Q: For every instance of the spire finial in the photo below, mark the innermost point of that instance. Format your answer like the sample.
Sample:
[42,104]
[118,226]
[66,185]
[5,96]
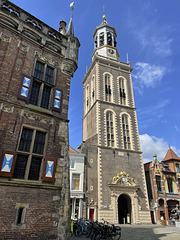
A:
[70,30]
[104,16]
[72,8]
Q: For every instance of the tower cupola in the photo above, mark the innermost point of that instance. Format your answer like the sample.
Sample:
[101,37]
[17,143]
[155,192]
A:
[105,40]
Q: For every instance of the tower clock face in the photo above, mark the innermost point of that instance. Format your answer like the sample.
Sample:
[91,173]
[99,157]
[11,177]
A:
[111,51]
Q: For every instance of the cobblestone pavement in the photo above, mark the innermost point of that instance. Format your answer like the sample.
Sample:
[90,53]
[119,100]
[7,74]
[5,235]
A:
[145,232]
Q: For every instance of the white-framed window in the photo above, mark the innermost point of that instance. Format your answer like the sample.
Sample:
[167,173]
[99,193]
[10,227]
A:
[122,91]
[110,129]
[72,164]
[87,98]
[108,87]
[93,90]
[75,181]
[126,131]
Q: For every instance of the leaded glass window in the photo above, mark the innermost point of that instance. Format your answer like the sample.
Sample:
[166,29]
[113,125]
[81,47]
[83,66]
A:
[30,154]
[42,85]
[110,129]
[126,132]
[158,182]
[122,91]
[108,88]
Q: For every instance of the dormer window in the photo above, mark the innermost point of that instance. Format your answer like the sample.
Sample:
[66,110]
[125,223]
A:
[101,39]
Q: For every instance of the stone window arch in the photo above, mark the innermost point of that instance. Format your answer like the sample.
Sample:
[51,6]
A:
[126,131]
[108,87]
[87,98]
[110,128]
[122,90]
[93,90]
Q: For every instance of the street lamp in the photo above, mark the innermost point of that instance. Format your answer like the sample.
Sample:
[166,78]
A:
[86,196]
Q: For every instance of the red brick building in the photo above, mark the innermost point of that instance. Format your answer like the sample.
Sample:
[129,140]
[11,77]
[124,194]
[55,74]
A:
[36,66]
[163,184]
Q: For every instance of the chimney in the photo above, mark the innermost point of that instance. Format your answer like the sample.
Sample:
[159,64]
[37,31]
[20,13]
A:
[62,28]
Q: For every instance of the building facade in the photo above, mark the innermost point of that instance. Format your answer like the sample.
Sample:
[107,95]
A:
[36,66]
[76,183]
[115,173]
[163,183]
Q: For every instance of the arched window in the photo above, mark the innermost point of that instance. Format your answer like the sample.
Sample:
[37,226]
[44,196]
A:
[95,42]
[110,129]
[126,132]
[108,88]
[109,38]
[101,39]
[158,182]
[170,185]
[122,91]
[92,90]
[87,98]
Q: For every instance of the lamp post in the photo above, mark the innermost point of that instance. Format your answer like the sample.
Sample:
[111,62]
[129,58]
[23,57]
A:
[156,207]
[86,196]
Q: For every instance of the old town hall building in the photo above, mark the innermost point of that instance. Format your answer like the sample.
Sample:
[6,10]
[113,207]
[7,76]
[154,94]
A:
[115,178]
[36,66]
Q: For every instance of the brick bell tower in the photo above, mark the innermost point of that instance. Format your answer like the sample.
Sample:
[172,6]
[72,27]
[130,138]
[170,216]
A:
[115,173]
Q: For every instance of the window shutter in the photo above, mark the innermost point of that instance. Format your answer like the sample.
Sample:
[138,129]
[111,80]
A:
[49,170]
[25,88]
[57,99]
[7,163]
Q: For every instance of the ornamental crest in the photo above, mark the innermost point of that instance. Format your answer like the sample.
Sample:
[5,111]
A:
[123,178]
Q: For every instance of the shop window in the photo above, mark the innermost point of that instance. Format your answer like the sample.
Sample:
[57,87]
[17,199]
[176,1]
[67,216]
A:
[30,154]
[158,182]
[75,181]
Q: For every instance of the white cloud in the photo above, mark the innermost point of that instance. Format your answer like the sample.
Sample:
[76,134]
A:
[147,75]
[176,127]
[152,36]
[151,145]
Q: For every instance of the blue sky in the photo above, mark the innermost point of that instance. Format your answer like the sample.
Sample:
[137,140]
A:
[149,31]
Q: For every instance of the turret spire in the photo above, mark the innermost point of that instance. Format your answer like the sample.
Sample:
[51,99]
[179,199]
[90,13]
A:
[70,30]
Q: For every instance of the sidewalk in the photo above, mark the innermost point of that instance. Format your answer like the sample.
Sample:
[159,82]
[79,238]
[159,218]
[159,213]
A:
[145,232]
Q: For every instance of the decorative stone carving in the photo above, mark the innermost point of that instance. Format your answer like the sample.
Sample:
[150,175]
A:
[7,108]
[23,47]
[5,38]
[45,60]
[68,68]
[123,178]
[36,117]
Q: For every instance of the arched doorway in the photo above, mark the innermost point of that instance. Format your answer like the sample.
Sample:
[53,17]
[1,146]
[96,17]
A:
[124,209]
[161,209]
